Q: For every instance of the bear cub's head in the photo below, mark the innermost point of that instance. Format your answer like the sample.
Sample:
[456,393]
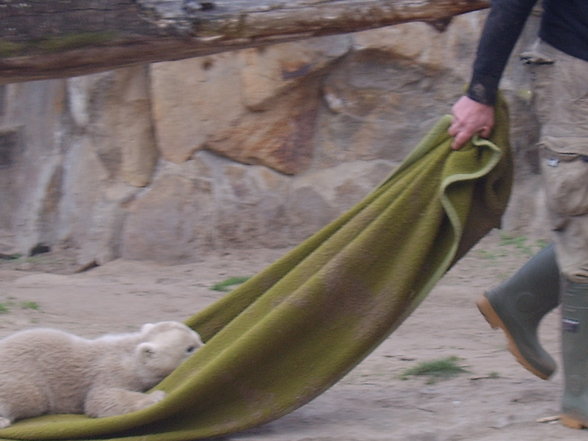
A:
[165,345]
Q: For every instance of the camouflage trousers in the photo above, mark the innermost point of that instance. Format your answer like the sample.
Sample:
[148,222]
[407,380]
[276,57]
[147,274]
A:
[561,99]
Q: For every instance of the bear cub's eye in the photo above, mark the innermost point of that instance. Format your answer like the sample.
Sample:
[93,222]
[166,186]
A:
[190,349]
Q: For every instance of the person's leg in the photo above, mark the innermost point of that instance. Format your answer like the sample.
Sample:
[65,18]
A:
[575,355]
[571,240]
[563,100]
[518,305]
[568,209]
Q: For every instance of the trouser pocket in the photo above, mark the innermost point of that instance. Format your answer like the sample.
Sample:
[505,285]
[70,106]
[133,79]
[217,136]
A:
[566,182]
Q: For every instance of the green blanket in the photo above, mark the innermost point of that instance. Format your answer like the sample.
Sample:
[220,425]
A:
[299,326]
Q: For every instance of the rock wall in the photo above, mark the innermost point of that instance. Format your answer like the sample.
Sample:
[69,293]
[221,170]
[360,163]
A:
[255,148]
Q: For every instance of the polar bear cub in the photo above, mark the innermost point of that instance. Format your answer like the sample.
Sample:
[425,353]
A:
[49,371]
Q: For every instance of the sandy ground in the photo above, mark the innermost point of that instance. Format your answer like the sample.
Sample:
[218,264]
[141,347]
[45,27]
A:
[495,399]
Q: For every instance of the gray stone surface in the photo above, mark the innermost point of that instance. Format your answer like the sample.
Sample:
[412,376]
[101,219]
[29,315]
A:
[255,148]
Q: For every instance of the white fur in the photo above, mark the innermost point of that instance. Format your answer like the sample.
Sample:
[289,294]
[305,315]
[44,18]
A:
[49,371]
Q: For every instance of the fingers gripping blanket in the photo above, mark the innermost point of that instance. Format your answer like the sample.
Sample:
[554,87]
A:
[300,325]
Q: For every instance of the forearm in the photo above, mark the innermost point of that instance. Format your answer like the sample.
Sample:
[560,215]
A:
[501,31]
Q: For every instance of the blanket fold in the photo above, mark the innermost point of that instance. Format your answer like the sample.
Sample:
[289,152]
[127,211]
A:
[297,327]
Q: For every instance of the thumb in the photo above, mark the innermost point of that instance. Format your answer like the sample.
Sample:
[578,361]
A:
[485,132]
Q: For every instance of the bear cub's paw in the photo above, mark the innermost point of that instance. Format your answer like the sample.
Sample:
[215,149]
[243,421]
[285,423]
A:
[152,398]
[139,402]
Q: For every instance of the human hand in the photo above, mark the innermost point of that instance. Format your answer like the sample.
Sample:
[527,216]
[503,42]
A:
[470,118]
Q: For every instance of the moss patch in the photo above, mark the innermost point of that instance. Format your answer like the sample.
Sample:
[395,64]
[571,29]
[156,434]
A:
[10,48]
[56,44]
[75,41]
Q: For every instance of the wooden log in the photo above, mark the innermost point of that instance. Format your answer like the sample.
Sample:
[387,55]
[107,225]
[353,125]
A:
[42,39]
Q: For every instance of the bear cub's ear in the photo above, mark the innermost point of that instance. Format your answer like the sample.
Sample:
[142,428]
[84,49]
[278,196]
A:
[146,327]
[147,350]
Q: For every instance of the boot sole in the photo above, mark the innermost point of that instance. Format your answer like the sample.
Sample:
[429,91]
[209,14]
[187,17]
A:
[571,422]
[496,323]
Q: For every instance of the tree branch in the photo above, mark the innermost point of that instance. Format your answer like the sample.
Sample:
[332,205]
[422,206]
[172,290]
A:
[42,39]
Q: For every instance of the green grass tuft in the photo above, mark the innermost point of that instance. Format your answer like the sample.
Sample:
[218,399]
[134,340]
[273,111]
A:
[435,370]
[227,283]
[30,305]
[518,242]
[14,256]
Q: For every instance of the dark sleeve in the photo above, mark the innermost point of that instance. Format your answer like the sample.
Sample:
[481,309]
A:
[501,31]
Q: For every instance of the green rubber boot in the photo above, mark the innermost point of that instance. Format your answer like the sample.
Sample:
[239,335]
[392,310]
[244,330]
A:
[518,305]
[575,355]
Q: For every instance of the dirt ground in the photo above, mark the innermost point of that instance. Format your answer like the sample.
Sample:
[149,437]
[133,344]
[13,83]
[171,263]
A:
[495,399]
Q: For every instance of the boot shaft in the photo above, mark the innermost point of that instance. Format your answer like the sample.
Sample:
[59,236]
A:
[575,353]
[533,290]
[574,327]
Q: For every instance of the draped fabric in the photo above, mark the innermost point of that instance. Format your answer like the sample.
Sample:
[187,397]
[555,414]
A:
[297,327]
